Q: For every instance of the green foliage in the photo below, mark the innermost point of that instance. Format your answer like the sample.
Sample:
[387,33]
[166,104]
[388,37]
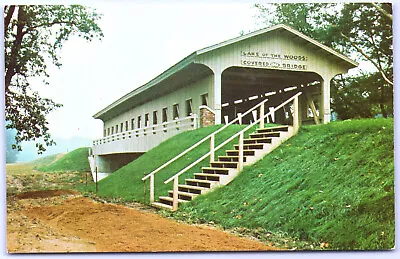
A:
[363,29]
[33,34]
[76,160]
[312,19]
[330,184]
[359,97]
[366,31]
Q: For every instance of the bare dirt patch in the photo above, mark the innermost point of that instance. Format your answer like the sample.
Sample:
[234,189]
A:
[115,228]
[48,221]
[44,194]
[27,235]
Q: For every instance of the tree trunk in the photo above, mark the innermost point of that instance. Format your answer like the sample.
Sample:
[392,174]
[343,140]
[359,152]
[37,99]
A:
[12,65]
[7,19]
[381,105]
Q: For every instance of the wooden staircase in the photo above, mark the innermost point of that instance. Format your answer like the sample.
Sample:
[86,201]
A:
[226,168]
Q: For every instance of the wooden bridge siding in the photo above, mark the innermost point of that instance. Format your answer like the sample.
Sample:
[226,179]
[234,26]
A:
[318,61]
[193,91]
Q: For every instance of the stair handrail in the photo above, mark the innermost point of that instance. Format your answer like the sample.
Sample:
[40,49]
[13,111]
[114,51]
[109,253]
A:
[231,138]
[204,139]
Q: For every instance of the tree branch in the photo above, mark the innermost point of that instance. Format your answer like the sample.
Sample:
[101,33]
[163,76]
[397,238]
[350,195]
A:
[49,24]
[383,11]
[368,58]
[374,45]
[7,19]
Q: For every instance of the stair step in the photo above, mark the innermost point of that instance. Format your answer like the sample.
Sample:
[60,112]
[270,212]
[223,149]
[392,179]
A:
[192,188]
[224,164]
[210,177]
[161,205]
[265,135]
[183,195]
[230,158]
[257,141]
[200,183]
[274,129]
[245,152]
[170,200]
[215,170]
[250,146]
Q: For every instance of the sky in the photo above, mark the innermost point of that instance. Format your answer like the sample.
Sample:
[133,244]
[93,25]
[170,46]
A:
[142,39]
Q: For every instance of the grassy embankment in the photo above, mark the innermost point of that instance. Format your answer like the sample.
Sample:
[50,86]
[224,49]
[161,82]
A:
[76,160]
[331,185]
[126,183]
[60,171]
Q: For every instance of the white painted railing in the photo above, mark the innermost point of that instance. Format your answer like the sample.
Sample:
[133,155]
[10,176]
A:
[241,137]
[178,124]
[210,137]
[213,149]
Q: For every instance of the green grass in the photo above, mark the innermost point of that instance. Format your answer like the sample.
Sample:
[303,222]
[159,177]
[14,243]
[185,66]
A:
[76,160]
[126,183]
[331,184]
[43,161]
[23,177]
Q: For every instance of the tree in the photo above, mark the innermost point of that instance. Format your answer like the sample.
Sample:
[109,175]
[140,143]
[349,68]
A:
[366,30]
[312,19]
[363,29]
[33,36]
[358,96]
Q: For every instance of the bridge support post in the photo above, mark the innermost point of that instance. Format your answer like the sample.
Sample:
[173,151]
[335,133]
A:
[325,105]
[217,97]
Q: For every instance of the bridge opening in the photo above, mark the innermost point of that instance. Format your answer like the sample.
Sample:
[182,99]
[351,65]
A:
[243,88]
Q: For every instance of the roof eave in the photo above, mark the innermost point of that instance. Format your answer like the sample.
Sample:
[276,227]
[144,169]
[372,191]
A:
[161,77]
[189,59]
[322,46]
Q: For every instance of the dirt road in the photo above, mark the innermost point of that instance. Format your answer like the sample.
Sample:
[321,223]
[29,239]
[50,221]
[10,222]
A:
[64,221]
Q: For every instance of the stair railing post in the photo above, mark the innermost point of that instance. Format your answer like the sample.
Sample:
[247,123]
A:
[144,189]
[262,116]
[272,112]
[97,181]
[296,114]
[175,195]
[240,162]
[212,147]
[239,115]
[151,188]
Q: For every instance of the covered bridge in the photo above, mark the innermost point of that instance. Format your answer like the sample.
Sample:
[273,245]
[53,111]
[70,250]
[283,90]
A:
[214,84]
